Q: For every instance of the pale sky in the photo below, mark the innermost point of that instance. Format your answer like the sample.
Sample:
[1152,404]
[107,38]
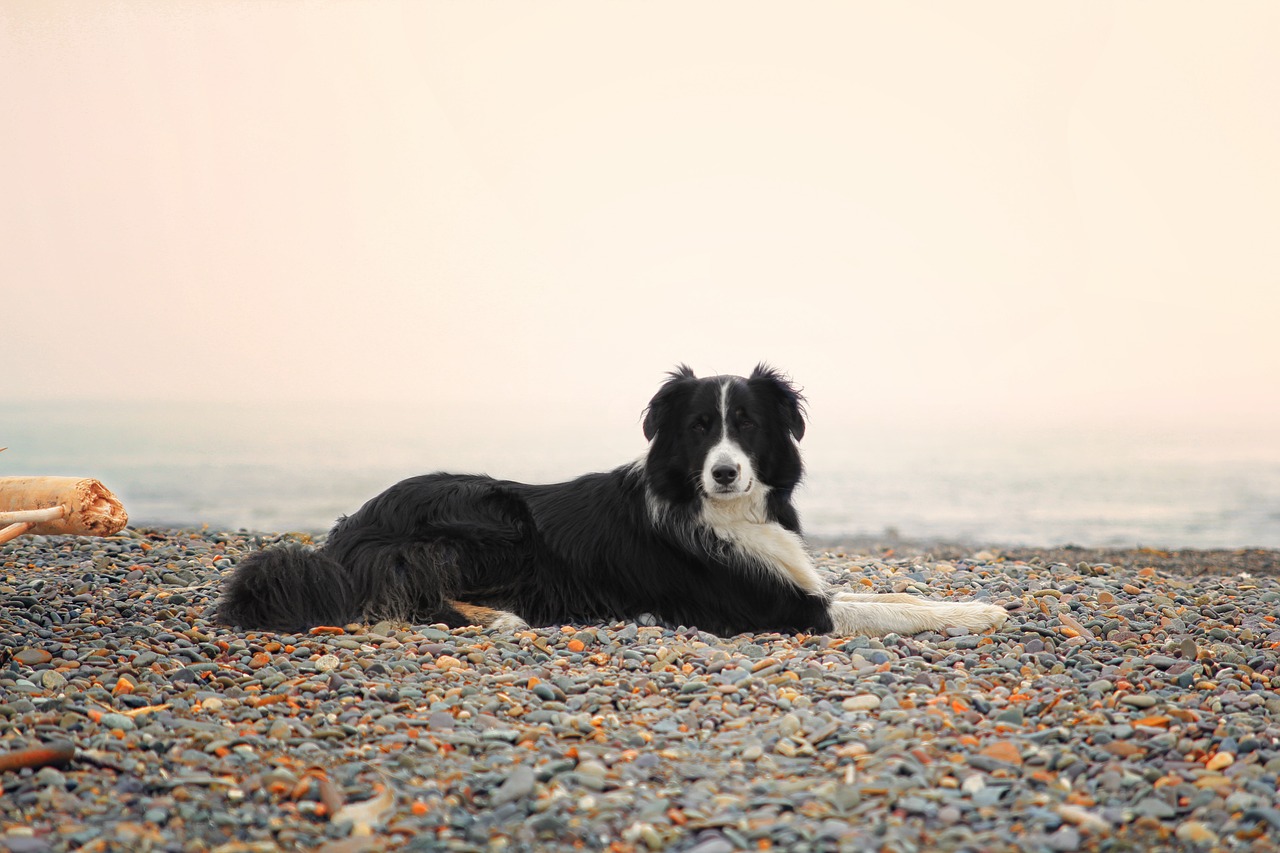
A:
[1019,210]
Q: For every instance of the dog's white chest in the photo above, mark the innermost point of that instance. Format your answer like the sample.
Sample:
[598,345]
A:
[743,523]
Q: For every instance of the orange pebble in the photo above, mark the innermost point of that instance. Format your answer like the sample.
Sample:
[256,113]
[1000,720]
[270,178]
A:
[1003,750]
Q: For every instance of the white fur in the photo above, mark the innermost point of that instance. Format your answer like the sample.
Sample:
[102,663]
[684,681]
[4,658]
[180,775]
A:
[879,614]
[508,623]
[742,522]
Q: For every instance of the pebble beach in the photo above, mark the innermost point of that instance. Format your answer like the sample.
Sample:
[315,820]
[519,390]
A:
[1131,702]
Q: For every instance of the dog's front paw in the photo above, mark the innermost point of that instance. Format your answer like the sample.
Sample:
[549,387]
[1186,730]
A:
[980,617]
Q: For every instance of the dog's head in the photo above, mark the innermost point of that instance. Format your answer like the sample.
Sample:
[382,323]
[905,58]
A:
[723,436]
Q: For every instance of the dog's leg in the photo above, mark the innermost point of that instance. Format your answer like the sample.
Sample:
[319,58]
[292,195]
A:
[877,615]
[488,617]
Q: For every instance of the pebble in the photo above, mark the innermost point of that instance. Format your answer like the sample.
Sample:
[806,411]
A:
[863,702]
[1195,832]
[1121,706]
[1066,838]
[518,785]
[52,680]
[713,845]
[32,657]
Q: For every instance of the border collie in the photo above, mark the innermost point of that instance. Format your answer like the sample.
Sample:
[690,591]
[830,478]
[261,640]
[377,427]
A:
[700,532]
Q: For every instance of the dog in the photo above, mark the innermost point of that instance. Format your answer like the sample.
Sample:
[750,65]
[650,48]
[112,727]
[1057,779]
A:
[700,531]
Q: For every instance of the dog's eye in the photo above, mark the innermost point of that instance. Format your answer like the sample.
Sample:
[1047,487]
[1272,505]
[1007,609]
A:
[744,422]
[699,426]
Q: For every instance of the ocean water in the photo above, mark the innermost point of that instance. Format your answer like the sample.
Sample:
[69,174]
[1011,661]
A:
[277,468]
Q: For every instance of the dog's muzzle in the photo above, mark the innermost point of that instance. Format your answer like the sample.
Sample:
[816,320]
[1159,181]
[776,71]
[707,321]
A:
[727,477]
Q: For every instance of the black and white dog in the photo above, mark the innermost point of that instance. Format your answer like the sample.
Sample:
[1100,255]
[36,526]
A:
[700,531]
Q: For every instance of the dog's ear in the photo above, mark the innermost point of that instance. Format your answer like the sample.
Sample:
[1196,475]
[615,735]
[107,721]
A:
[786,395]
[660,405]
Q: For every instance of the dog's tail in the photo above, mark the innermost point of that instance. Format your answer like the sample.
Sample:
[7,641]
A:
[289,588]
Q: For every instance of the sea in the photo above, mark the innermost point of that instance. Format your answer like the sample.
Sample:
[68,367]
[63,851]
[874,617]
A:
[298,467]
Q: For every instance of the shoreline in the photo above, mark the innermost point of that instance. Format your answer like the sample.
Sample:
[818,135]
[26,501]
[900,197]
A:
[1132,699]
[1249,559]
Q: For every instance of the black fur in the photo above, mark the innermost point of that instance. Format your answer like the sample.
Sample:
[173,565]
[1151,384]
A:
[601,548]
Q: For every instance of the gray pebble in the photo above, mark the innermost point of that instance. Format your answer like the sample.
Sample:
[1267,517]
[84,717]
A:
[518,785]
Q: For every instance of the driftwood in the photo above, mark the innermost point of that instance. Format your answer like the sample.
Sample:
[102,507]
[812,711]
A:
[56,505]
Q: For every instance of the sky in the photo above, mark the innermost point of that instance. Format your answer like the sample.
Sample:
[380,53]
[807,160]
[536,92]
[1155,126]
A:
[1022,211]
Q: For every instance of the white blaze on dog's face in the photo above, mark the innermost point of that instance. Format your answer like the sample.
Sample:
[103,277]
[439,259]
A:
[727,471]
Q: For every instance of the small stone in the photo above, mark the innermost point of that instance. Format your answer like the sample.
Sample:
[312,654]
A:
[518,785]
[1123,748]
[863,702]
[1013,716]
[1195,832]
[327,663]
[1155,807]
[13,843]
[916,806]
[712,845]
[33,657]
[592,768]
[117,721]
[988,796]
[53,680]
[1080,816]
[1003,750]
[1066,839]
[1220,761]
[1139,700]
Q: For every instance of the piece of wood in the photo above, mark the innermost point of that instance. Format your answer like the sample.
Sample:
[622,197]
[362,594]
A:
[37,756]
[90,509]
[13,531]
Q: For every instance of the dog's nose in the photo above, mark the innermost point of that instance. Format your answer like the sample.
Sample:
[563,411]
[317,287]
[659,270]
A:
[724,474]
